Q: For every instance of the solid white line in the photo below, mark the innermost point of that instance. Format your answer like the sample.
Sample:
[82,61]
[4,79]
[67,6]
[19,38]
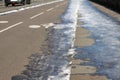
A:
[10,27]
[50,9]
[36,15]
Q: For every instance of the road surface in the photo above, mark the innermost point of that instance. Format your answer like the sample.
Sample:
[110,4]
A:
[93,41]
[18,40]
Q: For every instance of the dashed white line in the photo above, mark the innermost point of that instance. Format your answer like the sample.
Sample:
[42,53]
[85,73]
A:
[34,26]
[50,9]
[3,21]
[10,27]
[36,15]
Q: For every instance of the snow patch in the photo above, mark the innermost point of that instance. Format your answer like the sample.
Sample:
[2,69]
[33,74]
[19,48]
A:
[63,36]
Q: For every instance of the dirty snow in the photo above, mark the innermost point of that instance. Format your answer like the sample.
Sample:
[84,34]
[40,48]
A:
[62,41]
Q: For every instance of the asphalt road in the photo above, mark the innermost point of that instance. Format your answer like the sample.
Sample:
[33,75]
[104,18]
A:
[18,41]
[18,6]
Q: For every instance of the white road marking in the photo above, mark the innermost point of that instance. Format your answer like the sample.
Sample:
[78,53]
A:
[3,21]
[10,27]
[34,26]
[48,25]
[50,9]
[36,15]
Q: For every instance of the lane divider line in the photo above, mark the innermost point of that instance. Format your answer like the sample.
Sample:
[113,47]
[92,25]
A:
[36,15]
[11,27]
[3,22]
[50,9]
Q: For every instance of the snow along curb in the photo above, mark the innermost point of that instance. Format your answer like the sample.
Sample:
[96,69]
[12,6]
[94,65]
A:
[64,36]
[54,63]
[30,7]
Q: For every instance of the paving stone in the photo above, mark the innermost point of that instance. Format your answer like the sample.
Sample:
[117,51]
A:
[87,77]
[77,61]
[77,69]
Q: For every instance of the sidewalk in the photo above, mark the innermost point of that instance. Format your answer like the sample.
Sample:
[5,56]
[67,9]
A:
[78,71]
